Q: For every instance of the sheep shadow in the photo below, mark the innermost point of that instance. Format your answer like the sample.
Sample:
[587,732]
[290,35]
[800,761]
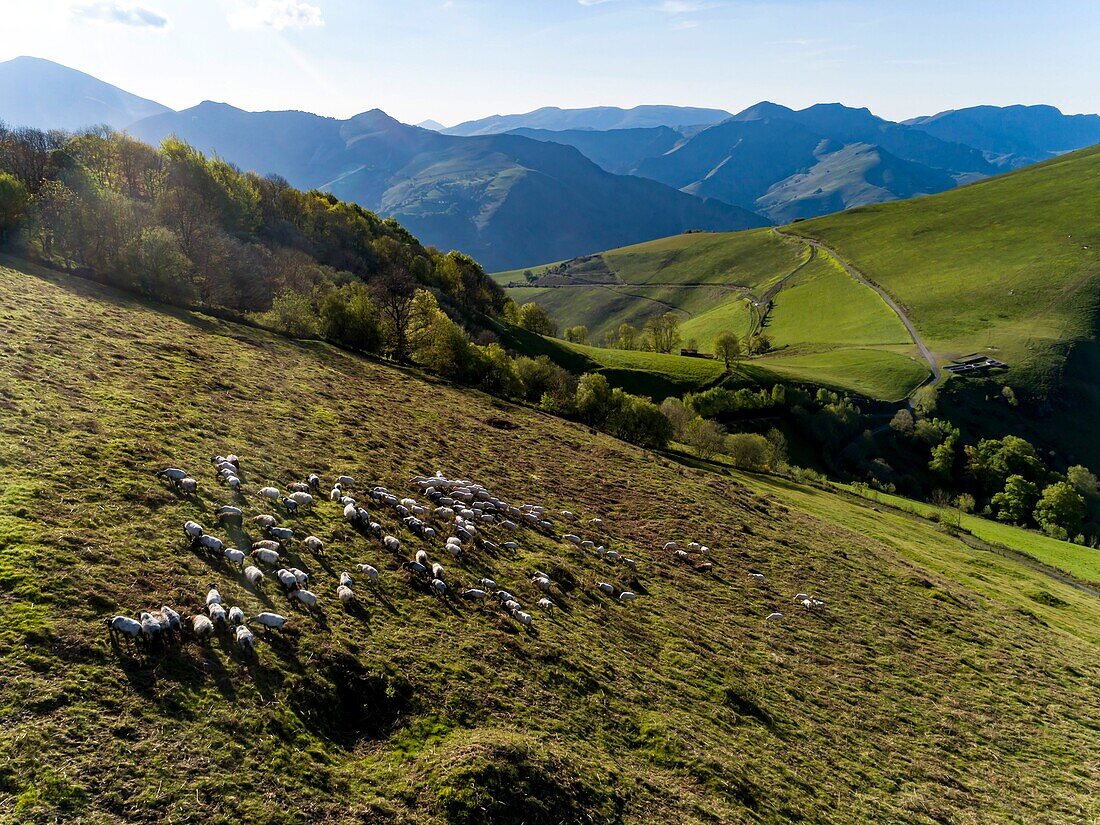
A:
[384,600]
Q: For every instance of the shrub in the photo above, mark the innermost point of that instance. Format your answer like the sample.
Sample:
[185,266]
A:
[749,451]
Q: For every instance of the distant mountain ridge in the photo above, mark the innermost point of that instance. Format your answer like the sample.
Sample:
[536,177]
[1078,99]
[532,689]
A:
[600,118]
[1013,136]
[489,196]
[46,95]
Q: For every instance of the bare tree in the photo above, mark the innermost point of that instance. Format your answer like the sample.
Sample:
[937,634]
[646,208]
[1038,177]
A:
[393,293]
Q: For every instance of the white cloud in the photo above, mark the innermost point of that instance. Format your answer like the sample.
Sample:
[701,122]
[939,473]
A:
[110,12]
[593,2]
[683,6]
[277,14]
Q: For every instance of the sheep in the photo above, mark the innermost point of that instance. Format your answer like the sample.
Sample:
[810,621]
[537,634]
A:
[289,505]
[800,597]
[173,474]
[771,617]
[474,593]
[217,614]
[572,538]
[270,492]
[193,530]
[213,596]
[588,544]
[345,579]
[346,481]
[301,576]
[611,556]
[234,556]
[488,584]
[270,621]
[439,586]
[345,594]
[188,485]
[254,575]
[298,487]
[233,483]
[504,596]
[596,522]
[391,544]
[421,557]
[757,577]
[541,582]
[313,543]
[671,545]
[509,525]
[266,556]
[437,571]
[211,543]
[567,514]
[694,546]
[281,533]
[371,572]
[124,626]
[627,596]
[236,616]
[264,522]
[547,605]
[314,481]
[306,597]
[336,493]
[346,500]
[351,512]
[429,532]
[232,459]
[682,555]
[202,627]
[301,499]
[705,567]
[633,565]
[511,545]
[454,549]
[414,567]
[245,640]
[521,617]
[607,588]
[174,622]
[234,515]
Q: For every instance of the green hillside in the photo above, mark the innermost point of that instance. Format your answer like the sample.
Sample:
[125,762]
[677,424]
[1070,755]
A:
[939,682]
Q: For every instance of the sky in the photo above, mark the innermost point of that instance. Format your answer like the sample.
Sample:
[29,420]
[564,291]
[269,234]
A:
[454,60]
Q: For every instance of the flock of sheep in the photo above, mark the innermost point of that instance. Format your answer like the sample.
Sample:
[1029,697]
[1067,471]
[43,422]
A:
[462,510]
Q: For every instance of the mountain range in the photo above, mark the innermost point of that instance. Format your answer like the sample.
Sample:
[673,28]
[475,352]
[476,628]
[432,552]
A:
[607,176]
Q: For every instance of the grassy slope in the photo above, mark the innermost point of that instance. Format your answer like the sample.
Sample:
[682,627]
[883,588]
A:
[1078,561]
[1008,266]
[934,687]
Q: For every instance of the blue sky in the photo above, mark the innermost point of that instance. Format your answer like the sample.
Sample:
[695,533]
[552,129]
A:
[458,59]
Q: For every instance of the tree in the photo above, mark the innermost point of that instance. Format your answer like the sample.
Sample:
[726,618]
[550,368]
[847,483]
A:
[628,337]
[662,332]
[1016,501]
[14,200]
[577,334]
[749,451]
[393,293]
[705,436]
[727,346]
[942,465]
[1060,510]
[759,344]
[992,461]
[678,416]
[593,398]
[1083,480]
[902,422]
[534,318]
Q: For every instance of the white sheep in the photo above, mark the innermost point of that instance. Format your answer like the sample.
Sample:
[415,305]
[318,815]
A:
[125,626]
[504,596]
[314,481]
[437,571]
[216,612]
[672,545]
[193,530]
[547,605]
[371,572]
[336,493]
[391,544]
[188,485]
[439,586]
[245,640]
[298,487]
[232,514]
[346,481]
[351,512]
[302,499]
[627,596]
[541,582]
[633,565]
[281,533]
[522,618]
[572,538]
[511,545]
[422,557]
[454,549]
[757,577]
[234,556]
[270,492]
[173,474]
[265,522]
[202,627]
[266,556]
[213,596]
[211,543]
[174,622]
[270,621]
[771,617]
[607,588]
[307,598]
[287,579]
[236,616]
[301,576]
[314,544]
[254,575]
[345,579]
[488,584]
[511,605]
[474,593]
[345,594]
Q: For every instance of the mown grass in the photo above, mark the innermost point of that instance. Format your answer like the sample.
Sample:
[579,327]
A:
[1080,562]
[934,687]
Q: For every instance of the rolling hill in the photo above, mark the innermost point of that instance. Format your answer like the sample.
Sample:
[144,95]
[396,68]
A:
[1007,267]
[46,95]
[943,679]
[619,151]
[1013,136]
[486,196]
[600,118]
